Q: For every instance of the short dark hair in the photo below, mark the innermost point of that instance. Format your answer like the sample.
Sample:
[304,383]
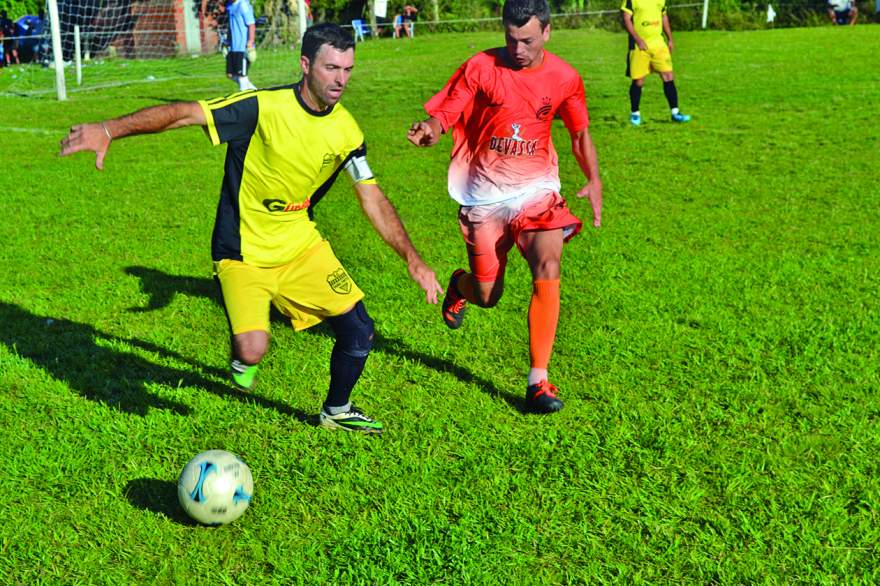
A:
[322,34]
[519,12]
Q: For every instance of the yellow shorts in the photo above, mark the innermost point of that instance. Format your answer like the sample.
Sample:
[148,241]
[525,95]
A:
[308,289]
[642,63]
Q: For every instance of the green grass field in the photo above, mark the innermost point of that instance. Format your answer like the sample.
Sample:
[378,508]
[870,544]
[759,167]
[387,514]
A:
[717,351]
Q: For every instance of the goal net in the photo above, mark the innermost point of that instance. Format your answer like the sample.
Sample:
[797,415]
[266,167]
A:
[105,43]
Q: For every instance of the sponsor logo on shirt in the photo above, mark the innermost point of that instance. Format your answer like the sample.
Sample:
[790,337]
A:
[514,144]
[329,159]
[339,281]
[279,205]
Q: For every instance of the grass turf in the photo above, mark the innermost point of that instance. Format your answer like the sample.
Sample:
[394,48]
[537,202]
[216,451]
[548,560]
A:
[717,350]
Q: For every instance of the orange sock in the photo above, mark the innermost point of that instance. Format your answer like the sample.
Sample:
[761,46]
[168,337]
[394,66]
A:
[543,317]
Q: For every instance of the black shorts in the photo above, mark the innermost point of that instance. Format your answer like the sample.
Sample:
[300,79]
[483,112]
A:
[237,63]
[842,16]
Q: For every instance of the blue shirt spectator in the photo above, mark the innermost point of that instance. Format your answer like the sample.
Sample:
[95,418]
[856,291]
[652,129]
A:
[241,16]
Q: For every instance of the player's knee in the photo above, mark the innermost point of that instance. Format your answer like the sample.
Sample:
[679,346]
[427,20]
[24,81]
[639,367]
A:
[250,347]
[354,331]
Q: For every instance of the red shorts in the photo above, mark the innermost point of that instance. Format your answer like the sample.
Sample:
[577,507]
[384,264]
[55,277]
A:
[490,231]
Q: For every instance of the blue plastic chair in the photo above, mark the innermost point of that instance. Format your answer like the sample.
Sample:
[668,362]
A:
[361,29]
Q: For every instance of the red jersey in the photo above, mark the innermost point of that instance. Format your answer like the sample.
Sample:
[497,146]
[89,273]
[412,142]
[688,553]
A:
[501,121]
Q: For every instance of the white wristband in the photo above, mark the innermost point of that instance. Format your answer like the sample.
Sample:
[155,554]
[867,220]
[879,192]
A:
[107,132]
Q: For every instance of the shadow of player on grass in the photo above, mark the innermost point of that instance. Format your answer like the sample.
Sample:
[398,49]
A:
[106,369]
[161,289]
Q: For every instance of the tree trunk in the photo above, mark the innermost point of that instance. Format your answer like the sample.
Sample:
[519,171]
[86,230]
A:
[372,8]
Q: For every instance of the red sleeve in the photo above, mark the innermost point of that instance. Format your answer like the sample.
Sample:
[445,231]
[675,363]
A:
[573,109]
[456,98]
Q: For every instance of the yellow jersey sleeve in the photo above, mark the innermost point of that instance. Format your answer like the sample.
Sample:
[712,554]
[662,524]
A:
[231,118]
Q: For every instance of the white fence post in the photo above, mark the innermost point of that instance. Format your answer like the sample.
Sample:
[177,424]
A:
[705,12]
[60,88]
[77,51]
[303,17]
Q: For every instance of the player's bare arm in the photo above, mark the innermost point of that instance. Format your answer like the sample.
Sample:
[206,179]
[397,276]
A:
[668,30]
[425,133]
[628,25]
[585,152]
[385,220]
[97,136]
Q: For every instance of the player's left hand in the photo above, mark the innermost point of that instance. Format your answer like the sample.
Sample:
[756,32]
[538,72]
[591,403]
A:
[593,191]
[424,276]
[252,54]
[87,137]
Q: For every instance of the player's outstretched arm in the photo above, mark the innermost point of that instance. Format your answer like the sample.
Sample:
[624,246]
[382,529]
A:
[425,133]
[96,137]
[385,220]
[585,152]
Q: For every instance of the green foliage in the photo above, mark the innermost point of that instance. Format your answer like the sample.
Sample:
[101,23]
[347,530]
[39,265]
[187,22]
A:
[18,8]
[718,347]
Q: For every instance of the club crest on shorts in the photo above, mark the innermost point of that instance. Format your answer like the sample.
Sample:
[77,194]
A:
[339,281]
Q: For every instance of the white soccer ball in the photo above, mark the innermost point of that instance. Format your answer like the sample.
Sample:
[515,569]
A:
[215,487]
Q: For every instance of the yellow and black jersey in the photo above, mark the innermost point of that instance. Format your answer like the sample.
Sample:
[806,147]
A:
[281,158]
[647,17]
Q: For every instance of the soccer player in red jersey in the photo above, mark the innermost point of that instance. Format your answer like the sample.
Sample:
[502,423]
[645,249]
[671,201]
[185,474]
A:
[504,172]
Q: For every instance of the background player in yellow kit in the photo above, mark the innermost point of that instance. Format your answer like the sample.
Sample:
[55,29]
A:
[646,22]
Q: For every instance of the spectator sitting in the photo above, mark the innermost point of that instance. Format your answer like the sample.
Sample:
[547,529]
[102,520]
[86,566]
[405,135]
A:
[409,15]
[842,12]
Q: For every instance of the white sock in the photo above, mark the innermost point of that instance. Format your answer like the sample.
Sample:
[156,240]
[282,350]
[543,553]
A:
[337,410]
[536,375]
[245,84]
[637,113]
[674,111]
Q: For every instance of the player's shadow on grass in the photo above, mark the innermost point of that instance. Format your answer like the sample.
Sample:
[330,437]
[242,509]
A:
[106,369]
[161,289]
[157,496]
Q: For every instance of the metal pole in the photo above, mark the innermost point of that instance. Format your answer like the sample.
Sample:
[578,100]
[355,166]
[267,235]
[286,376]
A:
[705,12]
[60,88]
[77,46]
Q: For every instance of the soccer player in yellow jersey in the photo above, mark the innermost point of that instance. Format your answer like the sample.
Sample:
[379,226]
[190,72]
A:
[646,22]
[285,147]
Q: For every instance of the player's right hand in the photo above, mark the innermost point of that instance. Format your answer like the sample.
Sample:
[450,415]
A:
[87,137]
[251,54]
[642,44]
[421,134]
[593,192]
[427,280]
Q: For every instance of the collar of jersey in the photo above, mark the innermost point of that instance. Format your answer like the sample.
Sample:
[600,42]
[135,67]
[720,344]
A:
[297,91]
